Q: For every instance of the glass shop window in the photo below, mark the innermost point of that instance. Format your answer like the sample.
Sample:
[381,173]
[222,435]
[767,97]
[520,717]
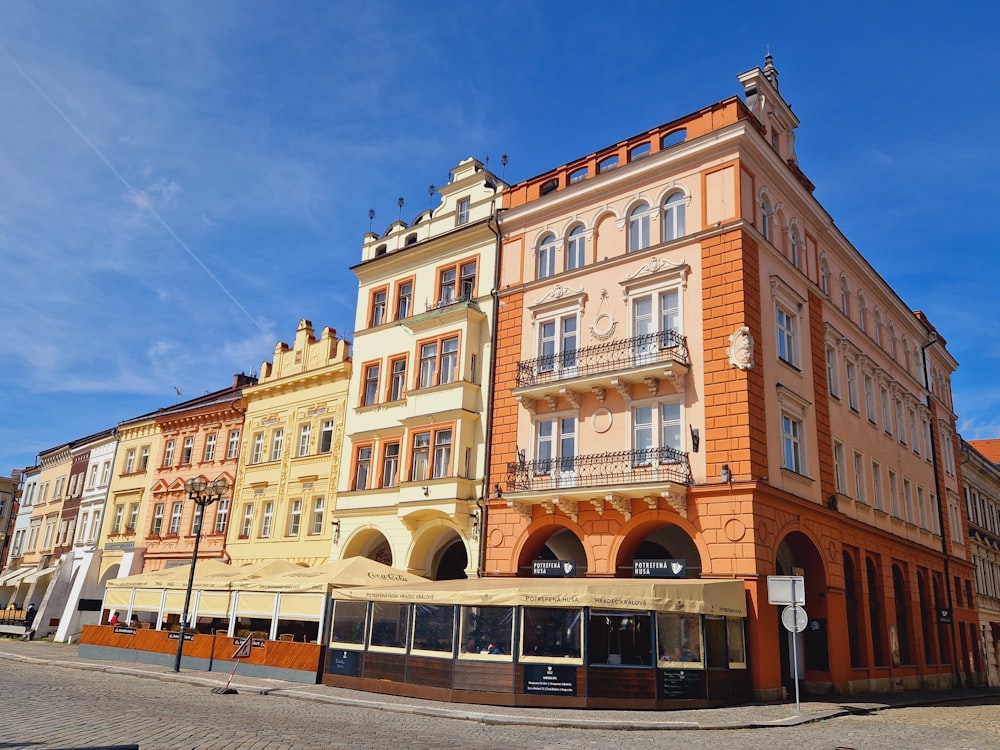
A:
[487,633]
[620,638]
[735,643]
[715,642]
[548,634]
[389,626]
[433,629]
[349,623]
[678,638]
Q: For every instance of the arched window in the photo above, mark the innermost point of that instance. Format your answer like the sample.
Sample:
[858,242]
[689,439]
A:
[795,251]
[851,603]
[824,276]
[638,228]
[845,296]
[875,612]
[547,256]
[576,248]
[878,327]
[673,216]
[906,356]
[765,217]
[862,312]
[893,343]
[902,615]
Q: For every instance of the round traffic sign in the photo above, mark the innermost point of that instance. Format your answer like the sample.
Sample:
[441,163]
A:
[794,618]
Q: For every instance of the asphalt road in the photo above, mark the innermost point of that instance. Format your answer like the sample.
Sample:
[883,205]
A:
[45,706]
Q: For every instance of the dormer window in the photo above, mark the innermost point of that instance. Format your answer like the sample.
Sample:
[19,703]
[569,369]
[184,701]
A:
[462,216]
[411,239]
[549,186]
[381,250]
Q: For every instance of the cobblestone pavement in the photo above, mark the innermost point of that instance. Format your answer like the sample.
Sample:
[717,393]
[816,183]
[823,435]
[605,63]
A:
[45,704]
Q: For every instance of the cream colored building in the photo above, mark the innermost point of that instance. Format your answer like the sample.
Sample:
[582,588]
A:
[286,482]
[415,452]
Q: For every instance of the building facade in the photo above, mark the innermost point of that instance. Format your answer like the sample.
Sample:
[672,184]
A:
[416,429]
[10,491]
[695,366]
[981,477]
[286,485]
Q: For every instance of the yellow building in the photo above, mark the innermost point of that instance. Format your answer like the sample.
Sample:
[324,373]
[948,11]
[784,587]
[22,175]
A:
[290,458]
[415,449]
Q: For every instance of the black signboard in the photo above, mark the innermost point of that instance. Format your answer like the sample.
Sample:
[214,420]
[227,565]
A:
[89,605]
[175,636]
[553,568]
[682,683]
[944,615]
[547,679]
[343,662]
[122,630]
[659,568]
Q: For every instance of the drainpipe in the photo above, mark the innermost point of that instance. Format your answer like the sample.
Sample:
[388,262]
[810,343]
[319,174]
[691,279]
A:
[931,340]
[494,226]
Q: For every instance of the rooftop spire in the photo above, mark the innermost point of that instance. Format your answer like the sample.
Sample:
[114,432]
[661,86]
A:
[770,72]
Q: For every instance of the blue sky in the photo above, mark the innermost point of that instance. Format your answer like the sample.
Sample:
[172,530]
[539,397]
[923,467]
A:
[182,182]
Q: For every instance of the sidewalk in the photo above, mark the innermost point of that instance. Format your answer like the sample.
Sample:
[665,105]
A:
[749,716]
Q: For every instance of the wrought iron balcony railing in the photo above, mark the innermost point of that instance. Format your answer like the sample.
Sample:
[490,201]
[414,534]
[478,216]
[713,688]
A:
[648,349]
[600,470]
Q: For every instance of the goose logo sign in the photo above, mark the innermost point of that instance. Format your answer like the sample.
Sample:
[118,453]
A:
[553,568]
[659,568]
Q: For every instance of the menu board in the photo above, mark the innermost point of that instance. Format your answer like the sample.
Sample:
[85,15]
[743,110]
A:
[682,683]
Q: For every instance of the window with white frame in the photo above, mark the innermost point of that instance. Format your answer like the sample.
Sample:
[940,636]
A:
[404,300]
[277,443]
[877,498]
[838,467]
[796,247]
[294,517]
[638,228]
[900,421]
[862,312]
[247,524]
[791,443]
[157,525]
[908,500]
[462,213]
[869,397]
[397,378]
[442,454]
[221,516]
[832,371]
[316,527]
[673,216]
[362,467]
[557,344]
[379,304]
[914,432]
[129,461]
[305,431]
[133,517]
[186,451]
[547,256]
[656,433]
[370,393]
[233,447]
[824,276]
[420,456]
[144,458]
[92,480]
[852,384]
[448,371]
[922,506]
[105,473]
[845,296]
[266,519]
[168,453]
[787,330]
[175,517]
[655,317]
[883,393]
[209,454]
[467,280]
[947,452]
[859,476]
[555,446]
[893,494]
[116,522]
[258,448]
[576,248]
[390,464]
[326,437]
[766,215]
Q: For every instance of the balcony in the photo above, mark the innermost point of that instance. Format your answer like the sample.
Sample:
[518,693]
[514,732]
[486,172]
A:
[444,312]
[619,364]
[600,478]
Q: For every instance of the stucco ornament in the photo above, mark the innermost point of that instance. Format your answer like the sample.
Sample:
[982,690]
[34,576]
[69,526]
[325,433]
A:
[740,349]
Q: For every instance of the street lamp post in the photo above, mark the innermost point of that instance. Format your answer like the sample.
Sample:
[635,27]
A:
[204,494]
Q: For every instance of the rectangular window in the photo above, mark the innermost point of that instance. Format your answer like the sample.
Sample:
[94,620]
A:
[95,527]
[304,432]
[908,500]
[258,448]
[893,494]
[370,394]
[787,330]
[175,517]
[210,441]
[576,249]
[233,447]
[116,524]
[859,476]
[247,523]
[129,466]
[656,433]
[462,214]
[832,367]
[404,300]
[326,437]
[397,382]
[168,453]
[379,302]
[446,286]
[390,464]
[294,518]
[900,422]
[186,451]
[791,443]
[467,281]
[221,516]
[158,511]
[317,516]
[914,432]
[91,482]
[277,442]
[922,506]
[57,493]
[838,467]
[852,385]
[555,447]
[428,362]
[420,456]
[442,454]
[362,467]
[870,398]
[266,519]
[449,360]
[557,345]
[886,414]
[133,517]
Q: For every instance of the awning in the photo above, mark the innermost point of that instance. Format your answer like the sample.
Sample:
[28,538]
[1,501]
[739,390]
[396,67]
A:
[15,578]
[38,573]
[696,595]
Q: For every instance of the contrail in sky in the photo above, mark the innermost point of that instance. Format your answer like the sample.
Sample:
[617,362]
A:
[146,204]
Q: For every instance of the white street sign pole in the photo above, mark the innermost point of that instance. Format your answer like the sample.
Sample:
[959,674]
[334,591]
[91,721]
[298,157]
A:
[795,657]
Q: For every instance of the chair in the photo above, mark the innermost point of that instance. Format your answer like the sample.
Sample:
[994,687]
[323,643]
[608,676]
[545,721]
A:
[286,637]
[146,625]
[222,632]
